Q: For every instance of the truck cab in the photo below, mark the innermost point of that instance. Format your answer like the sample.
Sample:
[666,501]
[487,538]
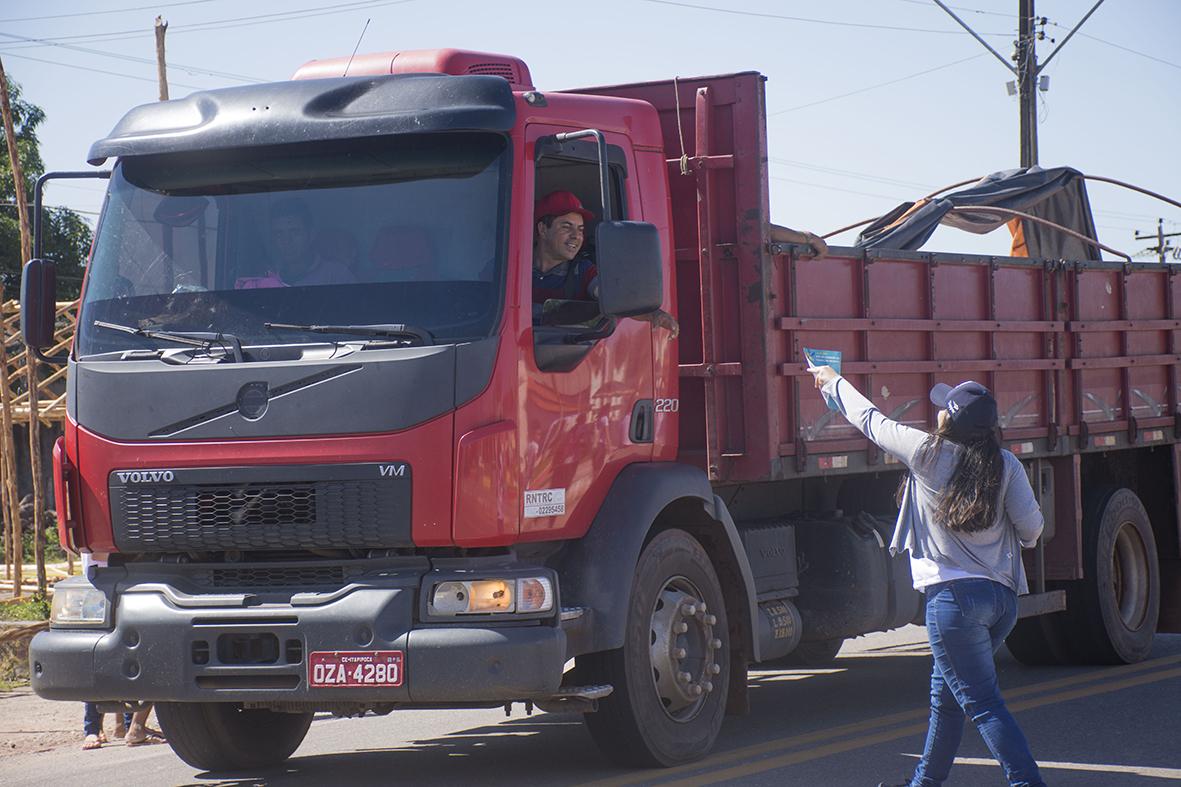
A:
[319,448]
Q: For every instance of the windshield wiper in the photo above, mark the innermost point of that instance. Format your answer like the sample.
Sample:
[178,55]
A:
[391,330]
[206,340]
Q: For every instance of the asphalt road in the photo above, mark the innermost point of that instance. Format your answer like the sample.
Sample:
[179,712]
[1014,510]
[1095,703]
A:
[860,721]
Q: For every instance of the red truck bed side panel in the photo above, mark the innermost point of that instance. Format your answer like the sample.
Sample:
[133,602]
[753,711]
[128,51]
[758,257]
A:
[1081,356]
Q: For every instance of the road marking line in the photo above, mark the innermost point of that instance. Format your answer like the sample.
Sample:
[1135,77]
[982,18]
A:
[1098,676]
[1137,770]
[778,744]
[773,763]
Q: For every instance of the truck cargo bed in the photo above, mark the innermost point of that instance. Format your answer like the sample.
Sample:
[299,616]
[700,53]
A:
[1081,355]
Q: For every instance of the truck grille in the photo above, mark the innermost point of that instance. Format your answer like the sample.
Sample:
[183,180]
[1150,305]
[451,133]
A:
[266,576]
[189,513]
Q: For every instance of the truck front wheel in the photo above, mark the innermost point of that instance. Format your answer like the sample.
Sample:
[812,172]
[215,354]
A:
[671,677]
[221,736]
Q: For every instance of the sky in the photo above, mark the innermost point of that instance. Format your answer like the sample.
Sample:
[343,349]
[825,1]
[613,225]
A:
[870,102]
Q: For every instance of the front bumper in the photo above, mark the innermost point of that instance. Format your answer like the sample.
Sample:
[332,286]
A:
[164,648]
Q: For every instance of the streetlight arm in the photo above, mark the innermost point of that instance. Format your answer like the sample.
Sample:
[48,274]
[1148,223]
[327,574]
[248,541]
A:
[986,45]
[1068,35]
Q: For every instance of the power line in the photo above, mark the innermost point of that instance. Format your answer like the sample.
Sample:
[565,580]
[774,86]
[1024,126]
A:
[875,87]
[1122,216]
[848,173]
[97,70]
[927,4]
[832,22]
[110,11]
[55,207]
[92,189]
[223,24]
[837,188]
[1124,48]
[194,70]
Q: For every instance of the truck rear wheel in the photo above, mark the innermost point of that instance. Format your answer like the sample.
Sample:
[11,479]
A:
[1111,614]
[221,736]
[671,677]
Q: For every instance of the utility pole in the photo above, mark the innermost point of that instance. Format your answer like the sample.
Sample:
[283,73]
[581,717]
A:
[11,492]
[1162,248]
[1027,69]
[1027,72]
[161,68]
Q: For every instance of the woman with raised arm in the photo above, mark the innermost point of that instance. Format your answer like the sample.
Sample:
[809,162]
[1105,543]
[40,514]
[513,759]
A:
[966,508]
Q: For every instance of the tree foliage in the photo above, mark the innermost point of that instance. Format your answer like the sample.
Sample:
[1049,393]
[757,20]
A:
[65,235]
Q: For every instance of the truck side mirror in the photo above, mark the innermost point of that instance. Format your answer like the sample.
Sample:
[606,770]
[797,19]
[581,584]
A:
[38,303]
[631,271]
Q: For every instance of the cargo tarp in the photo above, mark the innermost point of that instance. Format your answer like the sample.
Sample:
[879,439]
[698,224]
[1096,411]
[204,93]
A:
[1058,195]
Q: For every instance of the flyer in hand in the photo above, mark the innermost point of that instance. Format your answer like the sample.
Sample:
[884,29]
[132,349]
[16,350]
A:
[825,358]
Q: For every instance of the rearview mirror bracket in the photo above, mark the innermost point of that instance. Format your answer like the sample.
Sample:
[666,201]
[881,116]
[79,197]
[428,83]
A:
[39,277]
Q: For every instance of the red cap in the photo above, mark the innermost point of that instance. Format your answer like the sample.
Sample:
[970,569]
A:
[559,203]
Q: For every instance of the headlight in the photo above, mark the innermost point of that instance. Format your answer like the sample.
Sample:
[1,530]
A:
[78,605]
[527,595]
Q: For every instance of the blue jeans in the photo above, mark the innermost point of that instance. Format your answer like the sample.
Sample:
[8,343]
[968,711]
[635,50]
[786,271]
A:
[92,720]
[967,619]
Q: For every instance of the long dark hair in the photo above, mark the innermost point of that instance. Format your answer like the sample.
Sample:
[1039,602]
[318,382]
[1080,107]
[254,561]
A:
[969,503]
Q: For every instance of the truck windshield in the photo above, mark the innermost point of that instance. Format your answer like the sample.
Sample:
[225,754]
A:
[403,230]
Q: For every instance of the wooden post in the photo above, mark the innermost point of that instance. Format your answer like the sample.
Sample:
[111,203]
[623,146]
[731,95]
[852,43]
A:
[22,206]
[8,458]
[161,69]
[5,519]
[35,471]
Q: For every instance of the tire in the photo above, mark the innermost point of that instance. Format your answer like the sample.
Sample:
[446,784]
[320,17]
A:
[819,653]
[1111,614]
[671,677]
[220,736]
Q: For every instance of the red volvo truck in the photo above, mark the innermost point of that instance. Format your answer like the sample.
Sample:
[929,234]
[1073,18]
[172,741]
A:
[385,486]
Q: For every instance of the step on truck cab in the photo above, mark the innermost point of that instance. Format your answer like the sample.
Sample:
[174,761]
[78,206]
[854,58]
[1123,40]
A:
[325,453]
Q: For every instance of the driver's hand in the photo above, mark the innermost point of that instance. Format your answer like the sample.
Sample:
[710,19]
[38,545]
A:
[817,243]
[662,319]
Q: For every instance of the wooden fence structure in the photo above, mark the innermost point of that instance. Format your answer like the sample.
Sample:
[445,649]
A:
[32,406]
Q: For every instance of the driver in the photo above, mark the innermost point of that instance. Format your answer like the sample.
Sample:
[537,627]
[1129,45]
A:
[298,259]
[558,270]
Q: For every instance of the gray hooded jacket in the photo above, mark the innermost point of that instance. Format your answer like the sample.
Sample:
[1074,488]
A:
[994,552]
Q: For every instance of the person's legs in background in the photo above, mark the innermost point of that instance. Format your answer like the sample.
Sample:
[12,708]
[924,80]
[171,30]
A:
[122,722]
[92,727]
[138,731]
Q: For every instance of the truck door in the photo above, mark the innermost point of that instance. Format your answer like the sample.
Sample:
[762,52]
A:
[586,402]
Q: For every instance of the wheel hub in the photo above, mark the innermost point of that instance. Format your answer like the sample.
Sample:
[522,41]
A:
[683,648]
[1129,572]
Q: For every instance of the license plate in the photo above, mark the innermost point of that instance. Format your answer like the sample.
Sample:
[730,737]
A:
[346,668]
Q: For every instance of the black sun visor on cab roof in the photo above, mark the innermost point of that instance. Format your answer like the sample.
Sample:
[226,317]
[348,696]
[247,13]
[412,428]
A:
[307,110]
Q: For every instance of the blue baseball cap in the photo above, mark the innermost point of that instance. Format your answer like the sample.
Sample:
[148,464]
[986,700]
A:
[971,406]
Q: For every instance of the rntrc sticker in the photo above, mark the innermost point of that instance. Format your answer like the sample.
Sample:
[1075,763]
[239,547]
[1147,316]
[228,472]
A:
[545,502]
